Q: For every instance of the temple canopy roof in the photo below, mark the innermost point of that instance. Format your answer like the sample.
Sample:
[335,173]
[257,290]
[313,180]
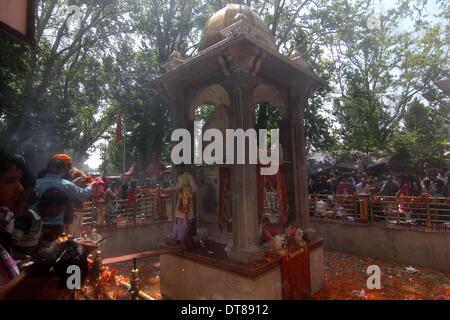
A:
[236,40]
[229,15]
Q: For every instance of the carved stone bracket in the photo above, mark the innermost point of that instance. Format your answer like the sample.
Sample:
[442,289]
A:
[247,61]
[175,59]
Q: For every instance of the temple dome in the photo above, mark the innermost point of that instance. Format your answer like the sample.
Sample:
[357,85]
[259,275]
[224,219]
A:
[228,15]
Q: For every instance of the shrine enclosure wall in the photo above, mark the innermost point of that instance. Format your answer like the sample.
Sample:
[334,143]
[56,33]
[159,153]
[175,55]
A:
[399,244]
[124,241]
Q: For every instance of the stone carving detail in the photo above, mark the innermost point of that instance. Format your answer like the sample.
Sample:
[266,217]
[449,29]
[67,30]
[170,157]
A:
[234,62]
[175,59]
[238,28]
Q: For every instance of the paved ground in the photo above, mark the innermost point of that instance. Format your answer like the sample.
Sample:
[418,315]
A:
[345,279]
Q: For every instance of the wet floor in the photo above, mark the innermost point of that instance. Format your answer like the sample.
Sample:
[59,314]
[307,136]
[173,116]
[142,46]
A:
[345,279]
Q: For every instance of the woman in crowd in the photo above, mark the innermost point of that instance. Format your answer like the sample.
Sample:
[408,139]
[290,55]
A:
[16,192]
[27,234]
[10,190]
[99,202]
[45,275]
[111,197]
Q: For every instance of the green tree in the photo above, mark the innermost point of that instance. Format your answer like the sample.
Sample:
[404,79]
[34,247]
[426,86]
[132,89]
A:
[380,70]
[13,68]
[62,105]
[165,26]
[421,141]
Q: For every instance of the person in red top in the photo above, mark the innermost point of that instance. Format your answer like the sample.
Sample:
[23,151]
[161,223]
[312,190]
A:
[133,194]
[98,190]
[99,202]
[343,189]
[345,186]
[403,198]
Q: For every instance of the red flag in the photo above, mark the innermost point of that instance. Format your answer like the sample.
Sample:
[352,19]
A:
[119,129]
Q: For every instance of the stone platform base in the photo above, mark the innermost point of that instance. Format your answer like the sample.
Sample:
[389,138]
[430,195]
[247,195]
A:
[316,266]
[184,278]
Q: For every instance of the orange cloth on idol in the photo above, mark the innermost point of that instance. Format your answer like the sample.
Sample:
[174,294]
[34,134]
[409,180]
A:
[66,158]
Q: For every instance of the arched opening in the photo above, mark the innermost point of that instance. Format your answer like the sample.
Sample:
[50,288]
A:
[213,95]
[209,110]
[270,109]
[275,192]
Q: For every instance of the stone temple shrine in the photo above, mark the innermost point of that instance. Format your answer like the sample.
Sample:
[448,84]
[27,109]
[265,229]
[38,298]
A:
[237,67]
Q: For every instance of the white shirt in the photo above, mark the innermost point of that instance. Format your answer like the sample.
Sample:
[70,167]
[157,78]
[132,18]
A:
[362,190]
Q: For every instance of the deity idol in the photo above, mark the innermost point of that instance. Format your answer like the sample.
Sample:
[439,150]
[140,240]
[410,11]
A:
[184,214]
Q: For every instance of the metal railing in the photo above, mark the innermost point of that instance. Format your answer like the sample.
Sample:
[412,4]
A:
[413,211]
[104,283]
[150,208]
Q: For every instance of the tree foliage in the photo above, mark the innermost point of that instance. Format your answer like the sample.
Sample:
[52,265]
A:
[422,140]
[380,70]
[64,93]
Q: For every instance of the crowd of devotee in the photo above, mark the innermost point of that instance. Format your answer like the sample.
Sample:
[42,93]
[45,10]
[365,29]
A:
[413,199]
[435,183]
[37,217]
[35,213]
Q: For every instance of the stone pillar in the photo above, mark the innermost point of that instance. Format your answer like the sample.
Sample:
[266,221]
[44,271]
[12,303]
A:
[246,229]
[299,165]
[178,112]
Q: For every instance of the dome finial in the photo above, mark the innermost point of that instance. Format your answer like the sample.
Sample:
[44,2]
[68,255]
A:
[240,15]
